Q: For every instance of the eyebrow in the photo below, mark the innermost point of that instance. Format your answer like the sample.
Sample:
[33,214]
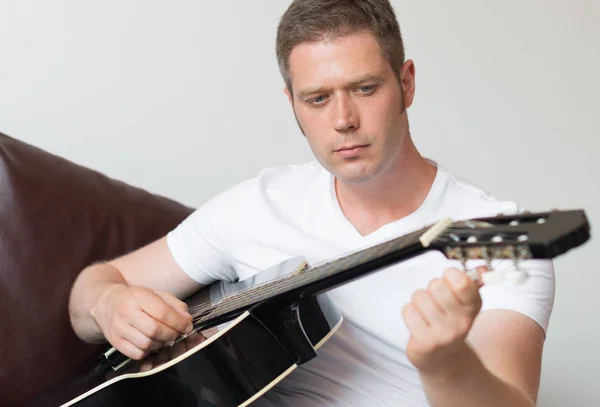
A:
[320,89]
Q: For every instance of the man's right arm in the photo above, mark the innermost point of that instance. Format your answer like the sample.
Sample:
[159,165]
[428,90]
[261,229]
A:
[133,301]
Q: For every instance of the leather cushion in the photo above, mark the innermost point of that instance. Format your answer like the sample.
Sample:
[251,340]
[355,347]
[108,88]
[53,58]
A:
[57,217]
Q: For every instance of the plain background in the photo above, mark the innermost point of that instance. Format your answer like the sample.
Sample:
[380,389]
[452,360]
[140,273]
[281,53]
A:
[184,98]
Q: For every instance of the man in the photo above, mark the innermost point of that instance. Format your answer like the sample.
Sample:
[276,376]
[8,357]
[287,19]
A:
[417,333]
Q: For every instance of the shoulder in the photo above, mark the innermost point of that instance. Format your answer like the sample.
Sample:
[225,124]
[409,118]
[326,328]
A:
[276,180]
[289,177]
[464,199]
[273,186]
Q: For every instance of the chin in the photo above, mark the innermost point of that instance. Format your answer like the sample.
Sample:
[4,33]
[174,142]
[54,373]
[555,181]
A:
[355,174]
[351,171]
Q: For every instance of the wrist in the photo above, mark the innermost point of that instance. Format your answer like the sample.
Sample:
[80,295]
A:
[454,366]
[104,291]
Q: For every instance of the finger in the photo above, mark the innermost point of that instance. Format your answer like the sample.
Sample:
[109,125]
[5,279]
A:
[175,302]
[443,294]
[426,305]
[162,312]
[480,271]
[152,328]
[465,289]
[163,356]
[194,340]
[129,350]
[147,363]
[139,339]
[415,323]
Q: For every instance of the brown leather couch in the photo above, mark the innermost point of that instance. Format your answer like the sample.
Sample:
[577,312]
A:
[57,217]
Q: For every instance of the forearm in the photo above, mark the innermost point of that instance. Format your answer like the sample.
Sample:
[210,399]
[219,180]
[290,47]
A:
[91,283]
[466,382]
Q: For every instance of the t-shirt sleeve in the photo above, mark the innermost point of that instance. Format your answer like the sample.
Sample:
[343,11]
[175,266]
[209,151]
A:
[199,243]
[533,297]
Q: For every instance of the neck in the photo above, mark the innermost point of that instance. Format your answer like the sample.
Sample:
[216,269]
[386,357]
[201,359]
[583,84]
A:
[394,194]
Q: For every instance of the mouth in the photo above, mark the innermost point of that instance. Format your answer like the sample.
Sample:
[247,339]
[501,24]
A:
[351,151]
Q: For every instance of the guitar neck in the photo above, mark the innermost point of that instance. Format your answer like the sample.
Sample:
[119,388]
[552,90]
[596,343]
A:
[319,279]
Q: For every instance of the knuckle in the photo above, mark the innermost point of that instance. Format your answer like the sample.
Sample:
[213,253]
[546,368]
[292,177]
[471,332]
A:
[123,309]
[449,273]
[111,320]
[129,350]
[115,329]
[146,344]
[138,294]
[139,354]
[153,329]
[119,343]
[459,281]
[172,335]
[435,284]
[182,326]
[161,313]
[418,295]
[462,285]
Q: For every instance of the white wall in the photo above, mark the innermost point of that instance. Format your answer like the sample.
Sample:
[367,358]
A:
[184,98]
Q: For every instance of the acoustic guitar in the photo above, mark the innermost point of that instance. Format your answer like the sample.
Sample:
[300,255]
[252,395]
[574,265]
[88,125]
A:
[250,335]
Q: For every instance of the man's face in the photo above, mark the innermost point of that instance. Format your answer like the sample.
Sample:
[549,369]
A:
[350,105]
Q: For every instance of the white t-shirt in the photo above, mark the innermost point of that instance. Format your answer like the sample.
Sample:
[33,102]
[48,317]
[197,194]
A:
[293,211]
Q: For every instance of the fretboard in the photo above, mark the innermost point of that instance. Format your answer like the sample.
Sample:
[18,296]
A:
[321,278]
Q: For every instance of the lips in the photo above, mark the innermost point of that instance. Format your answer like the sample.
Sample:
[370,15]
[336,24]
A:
[351,147]
[351,151]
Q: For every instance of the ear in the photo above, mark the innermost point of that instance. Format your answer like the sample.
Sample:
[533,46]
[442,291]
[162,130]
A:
[289,95]
[407,78]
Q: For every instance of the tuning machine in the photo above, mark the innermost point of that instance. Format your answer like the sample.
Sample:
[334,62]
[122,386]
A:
[488,253]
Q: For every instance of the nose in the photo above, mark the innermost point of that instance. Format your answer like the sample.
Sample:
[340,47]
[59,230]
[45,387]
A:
[345,114]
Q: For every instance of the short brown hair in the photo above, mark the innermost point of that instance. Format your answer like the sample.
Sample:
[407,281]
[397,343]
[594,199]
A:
[315,20]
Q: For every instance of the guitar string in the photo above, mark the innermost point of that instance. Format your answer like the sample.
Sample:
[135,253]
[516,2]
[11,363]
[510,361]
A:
[314,269]
[279,285]
[258,293]
[242,296]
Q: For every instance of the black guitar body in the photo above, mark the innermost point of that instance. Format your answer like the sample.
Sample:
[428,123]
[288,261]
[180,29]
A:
[250,355]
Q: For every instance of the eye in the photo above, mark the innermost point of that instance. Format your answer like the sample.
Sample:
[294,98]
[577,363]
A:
[365,90]
[319,100]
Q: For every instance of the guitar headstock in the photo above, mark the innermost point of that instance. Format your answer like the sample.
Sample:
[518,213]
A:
[543,235]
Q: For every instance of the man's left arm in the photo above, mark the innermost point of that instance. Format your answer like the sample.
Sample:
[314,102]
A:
[467,358]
